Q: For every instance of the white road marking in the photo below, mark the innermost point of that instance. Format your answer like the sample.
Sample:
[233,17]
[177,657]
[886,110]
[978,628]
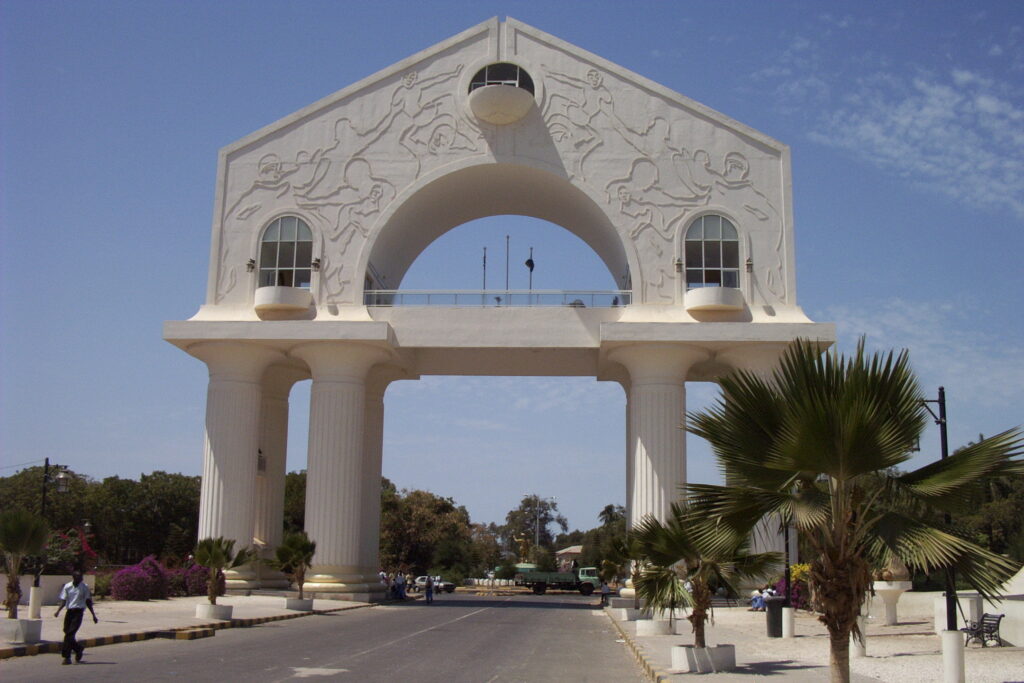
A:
[421,631]
[309,672]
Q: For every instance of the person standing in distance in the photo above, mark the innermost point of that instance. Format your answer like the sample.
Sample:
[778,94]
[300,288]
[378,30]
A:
[75,595]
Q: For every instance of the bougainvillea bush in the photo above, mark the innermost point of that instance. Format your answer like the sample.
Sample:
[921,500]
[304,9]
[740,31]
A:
[196,578]
[67,551]
[131,583]
[158,586]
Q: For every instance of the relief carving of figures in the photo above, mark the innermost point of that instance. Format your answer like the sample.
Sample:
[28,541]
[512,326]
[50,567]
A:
[336,182]
[641,197]
[732,186]
[275,180]
[578,113]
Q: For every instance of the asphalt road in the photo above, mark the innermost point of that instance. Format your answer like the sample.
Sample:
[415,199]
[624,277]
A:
[458,638]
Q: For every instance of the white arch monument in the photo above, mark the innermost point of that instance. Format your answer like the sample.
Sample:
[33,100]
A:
[319,215]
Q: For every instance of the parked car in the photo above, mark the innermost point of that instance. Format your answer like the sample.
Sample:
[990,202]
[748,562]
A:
[439,584]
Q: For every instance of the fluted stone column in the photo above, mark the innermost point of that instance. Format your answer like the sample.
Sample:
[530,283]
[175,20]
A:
[269,527]
[657,414]
[233,404]
[762,360]
[335,475]
[373,449]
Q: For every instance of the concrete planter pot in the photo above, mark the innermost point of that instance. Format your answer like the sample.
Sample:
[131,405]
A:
[21,630]
[626,613]
[303,605]
[703,660]
[220,612]
[652,627]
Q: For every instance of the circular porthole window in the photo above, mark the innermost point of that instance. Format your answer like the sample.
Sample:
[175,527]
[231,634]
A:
[501,93]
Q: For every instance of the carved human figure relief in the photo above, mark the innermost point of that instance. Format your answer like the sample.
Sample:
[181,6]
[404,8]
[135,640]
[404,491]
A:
[440,138]
[275,181]
[641,197]
[577,113]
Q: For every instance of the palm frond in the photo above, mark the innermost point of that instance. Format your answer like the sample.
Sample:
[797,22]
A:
[948,484]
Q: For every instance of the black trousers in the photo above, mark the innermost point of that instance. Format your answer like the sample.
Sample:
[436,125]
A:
[72,622]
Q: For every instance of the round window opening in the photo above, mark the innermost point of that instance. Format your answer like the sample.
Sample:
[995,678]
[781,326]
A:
[501,93]
[502,73]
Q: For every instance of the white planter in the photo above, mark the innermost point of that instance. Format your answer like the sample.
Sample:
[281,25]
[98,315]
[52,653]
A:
[282,299]
[500,104]
[703,660]
[652,627]
[626,613]
[303,605]
[205,610]
[21,630]
[714,299]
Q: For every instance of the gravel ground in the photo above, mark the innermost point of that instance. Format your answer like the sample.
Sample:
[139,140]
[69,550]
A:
[907,652]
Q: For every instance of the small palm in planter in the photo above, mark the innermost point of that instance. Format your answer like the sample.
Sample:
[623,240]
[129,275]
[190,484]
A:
[689,547]
[218,554]
[293,557]
[21,534]
[628,552]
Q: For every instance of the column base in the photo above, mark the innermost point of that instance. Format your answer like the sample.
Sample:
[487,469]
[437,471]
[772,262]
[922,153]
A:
[341,580]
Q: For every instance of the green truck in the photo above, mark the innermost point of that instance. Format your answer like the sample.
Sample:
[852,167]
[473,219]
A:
[582,579]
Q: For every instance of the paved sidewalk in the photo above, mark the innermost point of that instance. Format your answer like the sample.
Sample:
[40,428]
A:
[907,652]
[127,621]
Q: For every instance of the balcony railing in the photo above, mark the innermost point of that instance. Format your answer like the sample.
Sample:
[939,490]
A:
[492,298]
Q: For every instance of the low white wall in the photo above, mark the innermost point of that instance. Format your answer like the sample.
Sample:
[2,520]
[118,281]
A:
[1011,628]
[51,585]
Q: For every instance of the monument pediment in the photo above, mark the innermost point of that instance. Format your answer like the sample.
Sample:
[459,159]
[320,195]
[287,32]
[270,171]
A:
[503,118]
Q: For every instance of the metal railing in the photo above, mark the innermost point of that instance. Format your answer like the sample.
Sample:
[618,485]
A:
[493,298]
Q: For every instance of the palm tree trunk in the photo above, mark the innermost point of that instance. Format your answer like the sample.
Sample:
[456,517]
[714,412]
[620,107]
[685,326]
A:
[839,658]
[697,618]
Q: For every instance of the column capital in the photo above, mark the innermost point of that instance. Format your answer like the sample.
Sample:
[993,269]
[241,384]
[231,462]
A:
[658,363]
[279,379]
[340,361]
[761,358]
[234,360]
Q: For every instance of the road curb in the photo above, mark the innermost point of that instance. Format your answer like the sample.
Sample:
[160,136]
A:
[191,632]
[638,652]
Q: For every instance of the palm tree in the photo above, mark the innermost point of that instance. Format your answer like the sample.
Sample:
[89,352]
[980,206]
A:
[218,554]
[294,556]
[687,548]
[819,443]
[21,534]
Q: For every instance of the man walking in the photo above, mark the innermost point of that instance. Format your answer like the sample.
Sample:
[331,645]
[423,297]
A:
[76,597]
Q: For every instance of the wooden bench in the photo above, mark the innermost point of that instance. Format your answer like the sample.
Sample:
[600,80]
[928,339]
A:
[984,631]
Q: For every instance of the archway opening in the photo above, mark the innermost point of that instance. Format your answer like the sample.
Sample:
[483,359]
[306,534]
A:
[560,259]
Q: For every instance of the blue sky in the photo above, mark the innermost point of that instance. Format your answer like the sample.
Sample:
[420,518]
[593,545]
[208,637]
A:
[906,123]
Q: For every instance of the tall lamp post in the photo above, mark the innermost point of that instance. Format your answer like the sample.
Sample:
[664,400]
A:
[61,478]
[952,653]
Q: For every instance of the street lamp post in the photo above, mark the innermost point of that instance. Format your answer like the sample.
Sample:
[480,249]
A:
[952,653]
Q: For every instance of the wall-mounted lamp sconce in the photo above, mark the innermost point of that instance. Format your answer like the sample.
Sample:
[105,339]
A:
[250,265]
[316,265]
[678,263]
[750,265]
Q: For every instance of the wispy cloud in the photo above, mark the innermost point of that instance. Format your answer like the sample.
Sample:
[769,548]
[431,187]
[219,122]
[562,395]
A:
[985,370]
[953,130]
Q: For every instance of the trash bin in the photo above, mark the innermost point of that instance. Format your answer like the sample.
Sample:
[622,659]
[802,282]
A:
[773,615]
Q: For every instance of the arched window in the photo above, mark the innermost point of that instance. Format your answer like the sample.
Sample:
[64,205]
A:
[712,253]
[286,253]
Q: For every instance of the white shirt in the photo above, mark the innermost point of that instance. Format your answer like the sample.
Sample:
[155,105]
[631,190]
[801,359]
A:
[74,597]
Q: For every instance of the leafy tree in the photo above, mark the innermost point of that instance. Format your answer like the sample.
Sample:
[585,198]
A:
[21,534]
[532,519]
[817,443]
[295,501]
[686,548]
[23,491]
[413,523]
